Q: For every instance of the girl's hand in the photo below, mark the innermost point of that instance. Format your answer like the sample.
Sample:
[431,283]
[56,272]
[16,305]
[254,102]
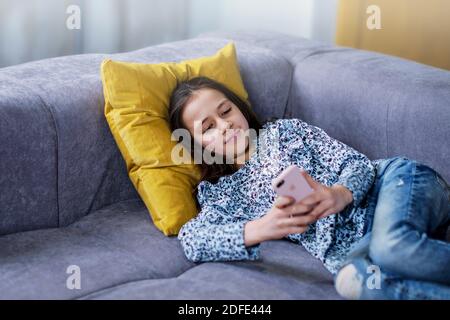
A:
[325,200]
[280,221]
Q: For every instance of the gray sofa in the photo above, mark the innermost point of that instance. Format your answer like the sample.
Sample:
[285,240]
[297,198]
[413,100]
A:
[65,197]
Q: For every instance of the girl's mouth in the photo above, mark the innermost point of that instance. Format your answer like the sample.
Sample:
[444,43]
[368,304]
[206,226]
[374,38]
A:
[233,136]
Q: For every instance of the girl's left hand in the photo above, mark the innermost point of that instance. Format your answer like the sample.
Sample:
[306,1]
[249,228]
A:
[326,200]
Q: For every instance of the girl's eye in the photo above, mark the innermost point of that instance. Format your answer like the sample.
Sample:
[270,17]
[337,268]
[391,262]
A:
[225,112]
[209,127]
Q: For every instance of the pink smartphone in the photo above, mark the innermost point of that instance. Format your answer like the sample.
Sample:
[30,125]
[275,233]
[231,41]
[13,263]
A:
[291,183]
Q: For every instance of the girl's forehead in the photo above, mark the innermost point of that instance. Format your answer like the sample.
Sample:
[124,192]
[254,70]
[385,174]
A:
[207,94]
[201,104]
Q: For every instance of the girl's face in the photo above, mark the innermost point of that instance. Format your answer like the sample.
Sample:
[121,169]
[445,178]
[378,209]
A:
[215,122]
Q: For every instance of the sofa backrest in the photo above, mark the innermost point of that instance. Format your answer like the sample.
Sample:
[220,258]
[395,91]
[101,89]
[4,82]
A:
[379,104]
[58,159]
[28,160]
[61,162]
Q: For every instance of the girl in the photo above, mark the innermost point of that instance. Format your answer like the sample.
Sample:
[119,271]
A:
[378,226]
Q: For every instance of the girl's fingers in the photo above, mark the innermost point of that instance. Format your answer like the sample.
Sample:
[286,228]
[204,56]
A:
[281,201]
[312,199]
[299,221]
[292,230]
[312,183]
[320,209]
[298,209]
[327,213]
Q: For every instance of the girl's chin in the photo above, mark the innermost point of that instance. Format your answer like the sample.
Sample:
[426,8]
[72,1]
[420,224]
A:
[236,153]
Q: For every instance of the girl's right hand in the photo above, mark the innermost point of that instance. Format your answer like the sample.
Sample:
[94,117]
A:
[284,218]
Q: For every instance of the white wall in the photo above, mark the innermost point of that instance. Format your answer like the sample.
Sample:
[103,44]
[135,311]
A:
[288,16]
[313,19]
[35,29]
[324,19]
[29,30]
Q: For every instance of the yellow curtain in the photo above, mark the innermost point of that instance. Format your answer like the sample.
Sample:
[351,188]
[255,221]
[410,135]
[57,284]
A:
[413,29]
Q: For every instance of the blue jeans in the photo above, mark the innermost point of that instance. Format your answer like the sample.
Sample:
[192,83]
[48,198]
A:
[403,254]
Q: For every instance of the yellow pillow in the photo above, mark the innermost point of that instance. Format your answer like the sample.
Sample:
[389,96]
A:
[137,97]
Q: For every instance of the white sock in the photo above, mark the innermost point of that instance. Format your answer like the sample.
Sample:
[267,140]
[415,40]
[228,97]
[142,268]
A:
[349,283]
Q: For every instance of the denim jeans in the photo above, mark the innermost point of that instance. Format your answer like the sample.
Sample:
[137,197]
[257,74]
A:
[403,254]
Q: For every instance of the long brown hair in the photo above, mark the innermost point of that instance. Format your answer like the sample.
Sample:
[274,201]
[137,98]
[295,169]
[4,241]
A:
[181,94]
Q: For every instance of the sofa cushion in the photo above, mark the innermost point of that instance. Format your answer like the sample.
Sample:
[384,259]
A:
[137,97]
[121,254]
[111,246]
[285,271]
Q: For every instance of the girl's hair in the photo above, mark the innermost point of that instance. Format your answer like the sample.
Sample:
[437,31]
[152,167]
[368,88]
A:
[181,94]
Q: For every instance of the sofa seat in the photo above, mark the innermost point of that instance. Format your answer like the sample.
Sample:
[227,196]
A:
[285,271]
[112,246]
[122,255]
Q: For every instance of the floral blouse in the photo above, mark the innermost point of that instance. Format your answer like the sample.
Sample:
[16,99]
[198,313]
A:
[217,232]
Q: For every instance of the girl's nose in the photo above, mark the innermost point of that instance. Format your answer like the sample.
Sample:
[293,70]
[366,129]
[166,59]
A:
[226,125]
